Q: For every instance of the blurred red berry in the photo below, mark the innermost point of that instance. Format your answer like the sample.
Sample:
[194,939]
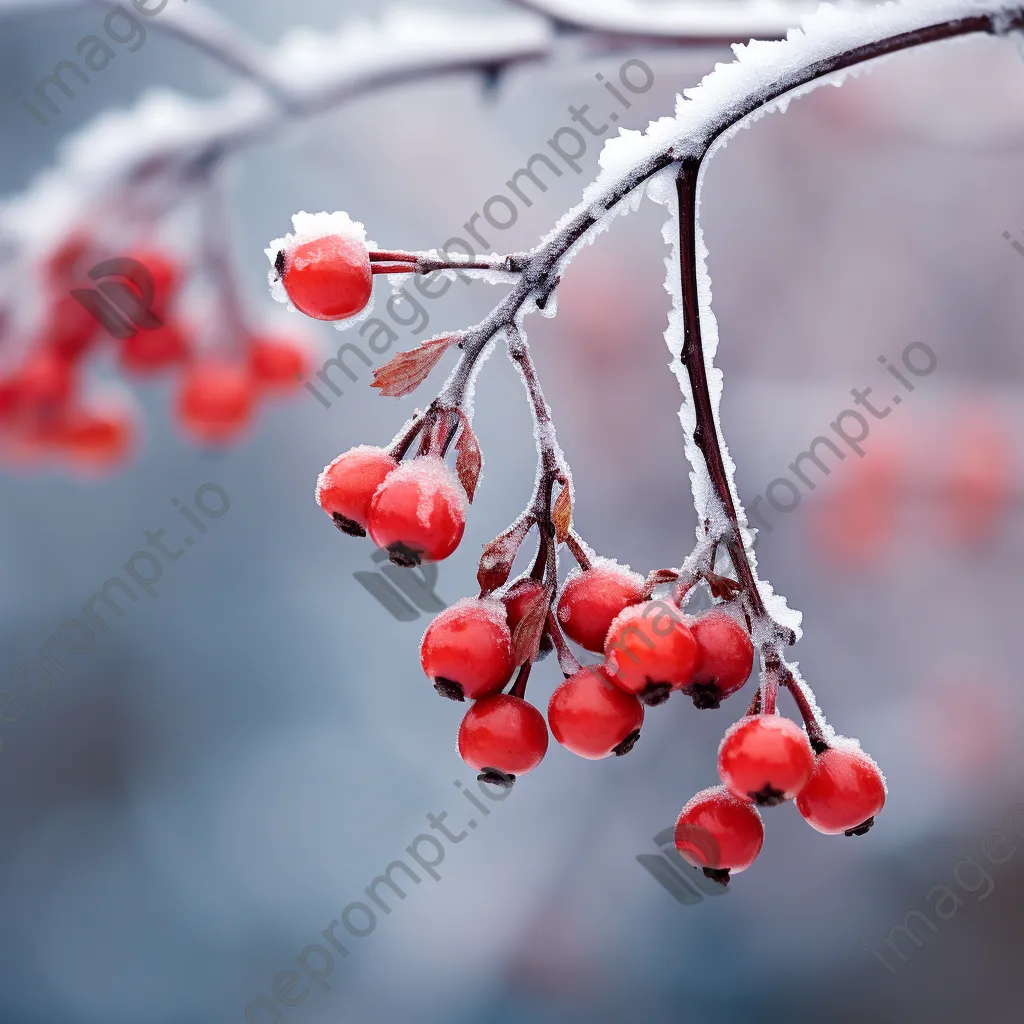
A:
[592,598]
[45,379]
[166,273]
[215,401]
[765,758]
[845,792]
[65,264]
[503,732]
[98,440]
[71,328]
[725,657]
[719,833]
[328,278]
[650,651]
[151,351]
[418,513]
[466,651]
[277,365]
[593,718]
[346,487]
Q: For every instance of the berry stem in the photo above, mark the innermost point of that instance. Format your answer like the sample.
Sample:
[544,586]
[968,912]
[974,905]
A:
[519,686]
[566,659]
[577,547]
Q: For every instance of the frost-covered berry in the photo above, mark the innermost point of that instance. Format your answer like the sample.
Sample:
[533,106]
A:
[418,513]
[592,598]
[503,732]
[277,364]
[765,759]
[650,651]
[725,657]
[845,792]
[346,487]
[592,718]
[328,278]
[215,401]
[466,651]
[719,833]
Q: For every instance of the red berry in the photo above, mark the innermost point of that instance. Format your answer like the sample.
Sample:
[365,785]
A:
[98,440]
[418,513]
[765,758]
[277,365]
[45,379]
[345,488]
[151,351]
[503,732]
[71,327]
[65,263]
[719,833]
[593,718]
[650,651]
[328,278]
[725,657]
[215,401]
[845,792]
[166,274]
[592,598]
[519,597]
[467,649]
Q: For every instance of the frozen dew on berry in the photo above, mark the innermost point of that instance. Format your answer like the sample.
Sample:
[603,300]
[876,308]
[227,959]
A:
[503,732]
[418,513]
[346,487]
[719,833]
[466,650]
[766,759]
[650,651]
[324,267]
[593,718]
[725,657]
[592,598]
[845,791]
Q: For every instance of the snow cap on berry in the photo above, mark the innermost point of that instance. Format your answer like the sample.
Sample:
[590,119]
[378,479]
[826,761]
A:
[308,227]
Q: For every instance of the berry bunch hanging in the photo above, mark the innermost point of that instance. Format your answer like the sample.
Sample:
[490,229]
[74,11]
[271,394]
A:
[413,505]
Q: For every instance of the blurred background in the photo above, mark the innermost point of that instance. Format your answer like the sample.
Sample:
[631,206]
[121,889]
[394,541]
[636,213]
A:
[230,764]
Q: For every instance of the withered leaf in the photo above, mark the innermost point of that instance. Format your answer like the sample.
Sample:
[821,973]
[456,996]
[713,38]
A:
[468,461]
[403,374]
[527,636]
[561,514]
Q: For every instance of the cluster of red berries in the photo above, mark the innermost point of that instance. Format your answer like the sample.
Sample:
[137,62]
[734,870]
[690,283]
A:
[416,511]
[43,413]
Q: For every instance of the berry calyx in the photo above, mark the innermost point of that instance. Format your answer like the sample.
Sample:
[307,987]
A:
[276,364]
[591,599]
[845,792]
[466,651]
[650,651]
[719,833]
[765,759]
[503,732]
[418,513]
[725,657]
[328,278]
[215,401]
[593,718]
[345,488]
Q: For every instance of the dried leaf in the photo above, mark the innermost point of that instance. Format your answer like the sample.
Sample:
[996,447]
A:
[528,634]
[468,460]
[561,514]
[404,373]
[721,586]
[657,578]
[498,556]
